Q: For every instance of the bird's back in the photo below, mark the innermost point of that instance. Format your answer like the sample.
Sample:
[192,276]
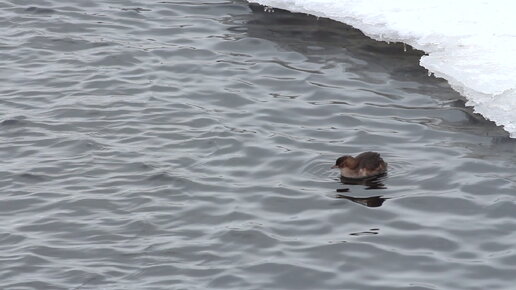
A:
[370,160]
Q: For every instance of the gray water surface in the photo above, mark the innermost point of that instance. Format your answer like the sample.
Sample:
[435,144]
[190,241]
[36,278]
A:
[187,145]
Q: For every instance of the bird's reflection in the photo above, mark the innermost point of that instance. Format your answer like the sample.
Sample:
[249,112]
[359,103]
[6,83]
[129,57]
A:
[370,183]
[375,182]
[373,201]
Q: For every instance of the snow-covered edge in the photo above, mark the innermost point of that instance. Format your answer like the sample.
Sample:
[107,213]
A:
[480,101]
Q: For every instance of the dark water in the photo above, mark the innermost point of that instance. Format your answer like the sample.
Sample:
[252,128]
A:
[187,145]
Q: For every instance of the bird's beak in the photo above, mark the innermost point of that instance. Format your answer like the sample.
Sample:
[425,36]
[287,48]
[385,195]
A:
[334,166]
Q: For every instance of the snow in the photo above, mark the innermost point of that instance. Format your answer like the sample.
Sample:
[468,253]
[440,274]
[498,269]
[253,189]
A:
[471,44]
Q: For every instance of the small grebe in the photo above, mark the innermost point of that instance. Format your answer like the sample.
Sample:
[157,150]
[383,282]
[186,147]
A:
[364,165]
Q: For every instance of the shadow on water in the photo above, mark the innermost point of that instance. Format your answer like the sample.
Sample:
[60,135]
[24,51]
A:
[292,31]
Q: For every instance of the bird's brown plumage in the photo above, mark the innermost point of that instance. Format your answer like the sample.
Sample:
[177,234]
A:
[364,165]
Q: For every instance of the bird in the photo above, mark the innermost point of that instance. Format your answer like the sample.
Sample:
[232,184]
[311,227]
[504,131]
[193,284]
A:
[364,165]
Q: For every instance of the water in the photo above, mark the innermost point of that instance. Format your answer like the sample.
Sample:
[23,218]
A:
[187,145]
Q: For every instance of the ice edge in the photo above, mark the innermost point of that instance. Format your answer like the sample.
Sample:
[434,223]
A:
[482,102]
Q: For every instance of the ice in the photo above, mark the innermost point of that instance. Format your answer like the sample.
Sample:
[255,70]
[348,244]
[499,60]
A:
[471,44]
